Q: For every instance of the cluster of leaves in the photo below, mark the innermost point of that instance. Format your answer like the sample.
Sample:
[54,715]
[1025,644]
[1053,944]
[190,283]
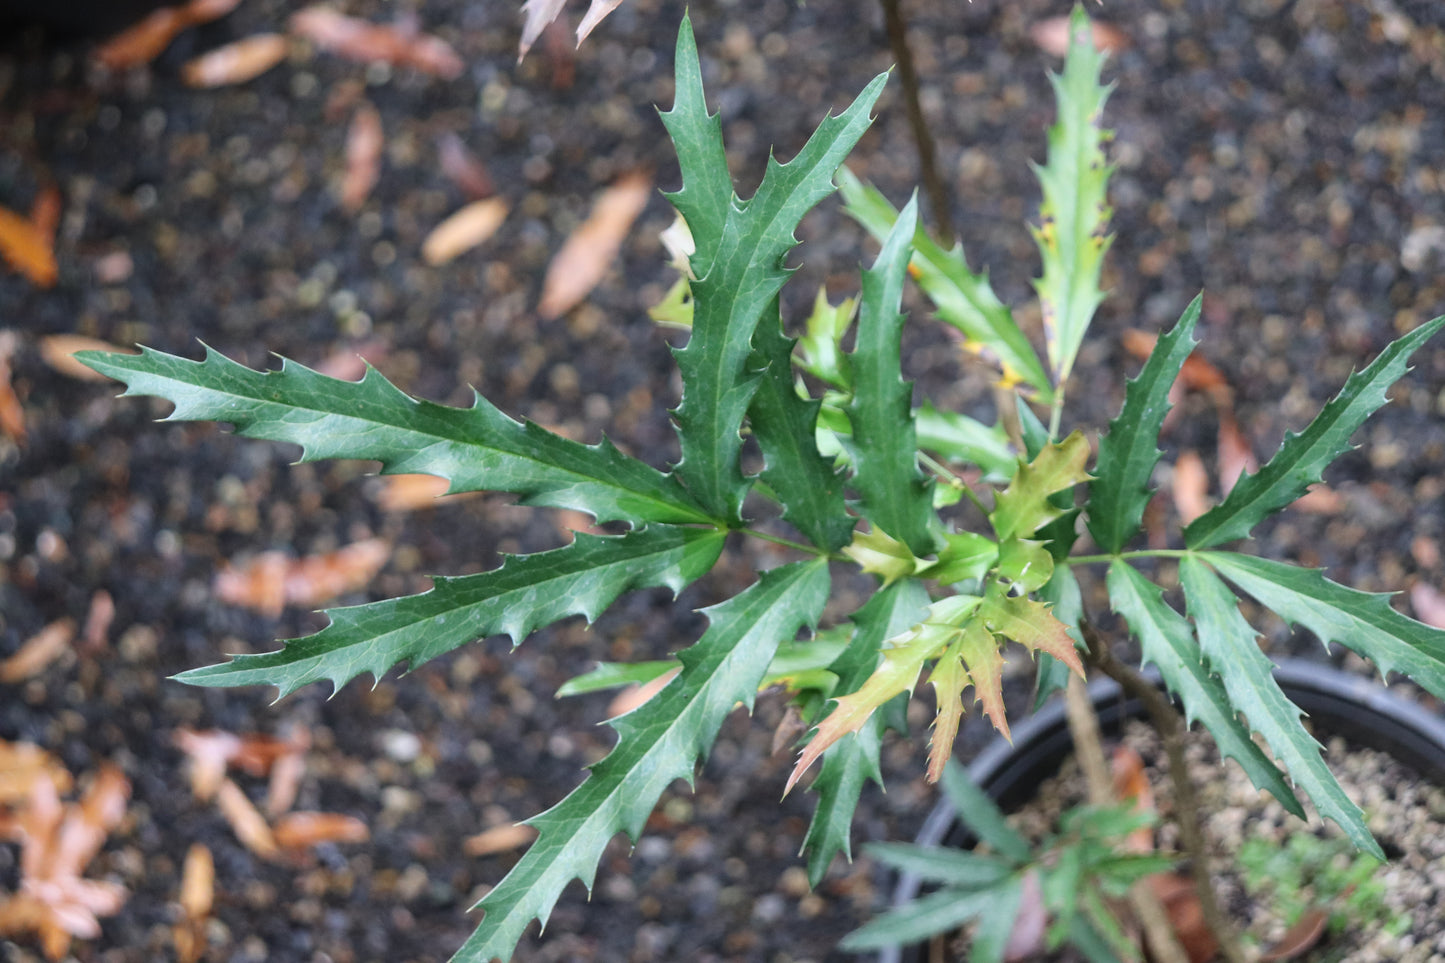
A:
[1058,892]
[861,476]
[1319,878]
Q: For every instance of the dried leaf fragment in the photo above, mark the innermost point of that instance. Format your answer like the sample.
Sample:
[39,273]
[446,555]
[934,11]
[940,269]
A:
[303,830]
[1235,455]
[198,888]
[368,42]
[246,820]
[273,580]
[463,168]
[209,753]
[12,413]
[58,350]
[636,695]
[237,62]
[1190,486]
[499,839]
[1300,938]
[28,249]
[464,230]
[143,41]
[1051,35]
[41,649]
[21,765]
[1427,601]
[588,253]
[364,141]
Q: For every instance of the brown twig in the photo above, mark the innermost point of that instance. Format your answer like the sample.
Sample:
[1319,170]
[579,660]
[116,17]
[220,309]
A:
[922,136]
[1186,810]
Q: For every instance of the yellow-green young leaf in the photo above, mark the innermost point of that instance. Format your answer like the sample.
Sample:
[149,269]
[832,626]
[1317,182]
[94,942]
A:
[1029,623]
[1026,563]
[981,655]
[675,308]
[965,555]
[1024,506]
[1074,214]
[948,680]
[879,554]
[903,659]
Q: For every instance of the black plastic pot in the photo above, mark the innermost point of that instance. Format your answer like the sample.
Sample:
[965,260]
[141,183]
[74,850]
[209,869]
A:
[1361,710]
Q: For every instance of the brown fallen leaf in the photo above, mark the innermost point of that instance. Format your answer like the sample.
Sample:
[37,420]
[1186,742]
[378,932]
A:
[463,168]
[635,695]
[237,62]
[586,255]
[1300,938]
[246,820]
[1320,499]
[364,141]
[58,351]
[96,633]
[272,580]
[285,782]
[406,493]
[295,831]
[21,764]
[1051,35]
[1428,603]
[45,212]
[12,412]
[1235,455]
[540,13]
[499,839]
[197,895]
[1190,486]
[464,230]
[143,41]
[350,363]
[1131,784]
[1186,915]
[209,753]
[561,54]
[41,649]
[368,42]
[27,249]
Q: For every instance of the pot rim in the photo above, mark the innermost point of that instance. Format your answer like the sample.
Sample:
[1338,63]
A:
[1364,709]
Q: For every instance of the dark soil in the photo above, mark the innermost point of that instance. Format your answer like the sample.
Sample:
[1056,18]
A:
[1282,156]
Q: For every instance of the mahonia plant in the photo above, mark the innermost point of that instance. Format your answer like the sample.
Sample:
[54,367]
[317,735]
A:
[864,477]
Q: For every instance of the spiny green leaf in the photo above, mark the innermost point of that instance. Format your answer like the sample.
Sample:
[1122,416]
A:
[894,496]
[878,553]
[1168,642]
[965,555]
[1025,504]
[1362,621]
[981,814]
[1129,452]
[949,678]
[912,922]
[526,592]
[739,267]
[1075,211]
[657,743]
[963,868]
[850,762]
[1067,603]
[963,299]
[959,438]
[820,351]
[808,485]
[707,185]
[980,654]
[613,675]
[476,449]
[1029,623]
[1229,646]
[1303,457]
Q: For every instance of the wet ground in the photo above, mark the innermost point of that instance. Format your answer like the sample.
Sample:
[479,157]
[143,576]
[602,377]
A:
[1284,157]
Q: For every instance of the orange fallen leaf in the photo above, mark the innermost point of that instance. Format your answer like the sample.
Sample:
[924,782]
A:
[635,695]
[586,255]
[197,895]
[12,413]
[1235,455]
[405,493]
[285,782]
[97,621]
[1300,938]
[143,41]
[246,820]
[1428,603]
[464,230]
[21,764]
[237,62]
[1132,785]
[27,249]
[58,351]
[45,212]
[41,649]
[1051,35]
[304,830]
[1186,915]
[209,752]
[272,580]
[1190,486]
[364,141]
[1320,499]
[368,42]
[499,839]
[463,168]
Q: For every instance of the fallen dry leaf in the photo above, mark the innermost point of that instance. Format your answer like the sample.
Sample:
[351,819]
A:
[635,695]
[364,141]
[1190,486]
[41,649]
[272,580]
[595,14]
[539,13]
[58,351]
[350,363]
[464,230]
[21,764]
[209,752]
[45,212]
[1131,784]
[237,62]
[499,839]
[586,255]
[463,168]
[1300,938]
[246,820]
[197,895]
[1235,455]
[303,830]
[1320,499]
[1186,916]
[143,41]
[405,493]
[1026,939]
[1428,603]
[114,267]
[368,42]
[27,249]
[96,633]
[1052,36]
[12,413]
[285,782]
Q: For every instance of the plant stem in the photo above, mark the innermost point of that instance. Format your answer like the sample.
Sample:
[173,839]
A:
[922,136]
[1186,804]
[950,478]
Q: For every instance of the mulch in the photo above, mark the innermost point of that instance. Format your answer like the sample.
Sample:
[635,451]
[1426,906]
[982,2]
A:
[1281,156]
